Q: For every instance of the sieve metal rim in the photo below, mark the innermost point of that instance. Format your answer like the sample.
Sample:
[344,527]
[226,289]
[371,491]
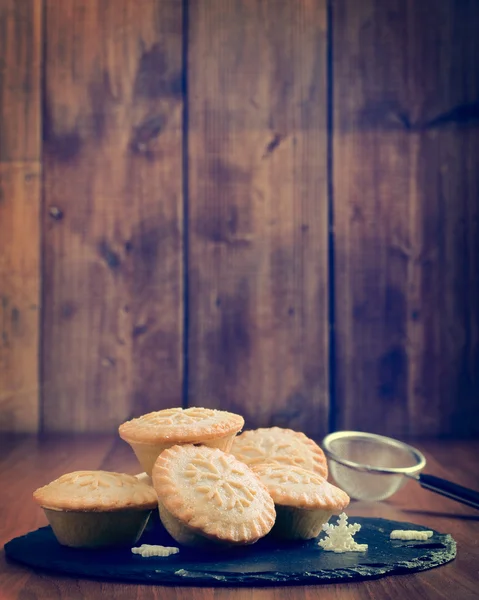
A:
[419,456]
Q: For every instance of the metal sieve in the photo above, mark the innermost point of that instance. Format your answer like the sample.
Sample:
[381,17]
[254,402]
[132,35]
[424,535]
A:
[373,467]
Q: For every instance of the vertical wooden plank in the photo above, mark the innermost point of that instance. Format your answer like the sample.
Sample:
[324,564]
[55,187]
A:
[19,295]
[20,64]
[406,189]
[20,174]
[258,332]
[112,338]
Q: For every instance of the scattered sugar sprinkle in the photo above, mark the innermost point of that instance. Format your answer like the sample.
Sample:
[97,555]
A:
[339,538]
[147,550]
[410,534]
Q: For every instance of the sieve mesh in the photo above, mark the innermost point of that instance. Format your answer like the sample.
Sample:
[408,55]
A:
[368,450]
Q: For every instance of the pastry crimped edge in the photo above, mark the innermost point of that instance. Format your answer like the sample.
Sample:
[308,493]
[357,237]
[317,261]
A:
[139,496]
[197,529]
[137,431]
[301,515]
[148,453]
[320,464]
[332,498]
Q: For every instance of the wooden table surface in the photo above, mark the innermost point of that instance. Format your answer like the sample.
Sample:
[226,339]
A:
[29,462]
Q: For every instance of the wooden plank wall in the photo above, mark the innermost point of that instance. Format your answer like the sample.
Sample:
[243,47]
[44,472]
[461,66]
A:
[112,321]
[406,203]
[257,220]
[169,238]
[20,185]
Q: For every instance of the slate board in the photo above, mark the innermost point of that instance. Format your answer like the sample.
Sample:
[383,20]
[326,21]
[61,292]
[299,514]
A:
[267,562]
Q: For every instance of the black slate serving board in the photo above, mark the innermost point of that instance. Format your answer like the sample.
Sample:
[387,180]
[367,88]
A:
[267,562]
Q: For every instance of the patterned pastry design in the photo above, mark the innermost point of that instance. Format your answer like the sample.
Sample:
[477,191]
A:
[281,446]
[221,483]
[178,416]
[214,494]
[181,425]
[96,491]
[294,486]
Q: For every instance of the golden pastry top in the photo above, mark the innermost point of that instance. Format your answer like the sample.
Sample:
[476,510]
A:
[290,485]
[214,493]
[178,425]
[282,446]
[96,491]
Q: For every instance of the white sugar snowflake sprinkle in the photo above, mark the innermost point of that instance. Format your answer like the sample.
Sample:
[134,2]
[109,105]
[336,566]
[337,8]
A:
[339,538]
[409,534]
[147,550]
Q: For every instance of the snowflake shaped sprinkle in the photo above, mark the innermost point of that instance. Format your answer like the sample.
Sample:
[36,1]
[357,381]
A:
[147,550]
[339,538]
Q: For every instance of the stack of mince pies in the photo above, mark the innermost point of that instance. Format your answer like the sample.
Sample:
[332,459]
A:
[212,487]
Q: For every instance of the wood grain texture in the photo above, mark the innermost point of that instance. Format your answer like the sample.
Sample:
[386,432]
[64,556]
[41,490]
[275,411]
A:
[406,190]
[257,219]
[20,185]
[42,460]
[112,335]
[20,63]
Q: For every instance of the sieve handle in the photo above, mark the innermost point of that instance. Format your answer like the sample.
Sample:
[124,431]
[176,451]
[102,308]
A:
[449,489]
